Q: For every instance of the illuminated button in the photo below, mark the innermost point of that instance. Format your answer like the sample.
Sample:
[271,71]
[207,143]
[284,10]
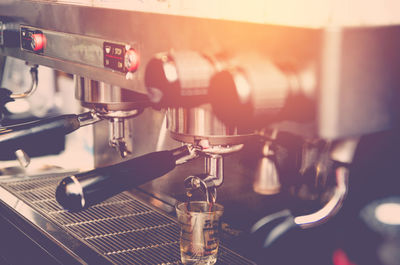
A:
[117,51]
[131,60]
[38,42]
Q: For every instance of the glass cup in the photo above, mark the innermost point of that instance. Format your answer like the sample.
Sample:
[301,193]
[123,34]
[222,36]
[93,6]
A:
[199,238]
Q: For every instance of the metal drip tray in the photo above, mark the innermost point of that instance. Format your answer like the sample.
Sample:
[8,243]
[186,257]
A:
[123,230]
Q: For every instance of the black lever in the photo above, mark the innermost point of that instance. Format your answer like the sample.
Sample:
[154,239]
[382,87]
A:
[18,136]
[88,188]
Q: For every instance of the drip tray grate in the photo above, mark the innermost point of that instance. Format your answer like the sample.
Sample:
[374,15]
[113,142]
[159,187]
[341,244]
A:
[122,229]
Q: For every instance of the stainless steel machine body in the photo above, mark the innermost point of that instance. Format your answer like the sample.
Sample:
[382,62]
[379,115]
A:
[332,51]
[348,71]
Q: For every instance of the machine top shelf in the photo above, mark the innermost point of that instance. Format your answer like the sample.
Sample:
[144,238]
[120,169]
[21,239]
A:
[305,13]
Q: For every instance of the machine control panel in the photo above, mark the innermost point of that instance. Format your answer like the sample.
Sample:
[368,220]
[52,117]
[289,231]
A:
[32,40]
[120,57]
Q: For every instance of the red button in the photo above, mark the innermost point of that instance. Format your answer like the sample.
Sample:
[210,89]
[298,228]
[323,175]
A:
[38,42]
[340,258]
[132,60]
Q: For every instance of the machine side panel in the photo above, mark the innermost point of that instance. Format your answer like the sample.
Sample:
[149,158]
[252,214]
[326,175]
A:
[360,86]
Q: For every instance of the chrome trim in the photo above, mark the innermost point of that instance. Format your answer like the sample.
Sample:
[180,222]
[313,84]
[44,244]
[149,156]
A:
[193,154]
[80,190]
[191,125]
[88,118]
[23,158]
[108,100]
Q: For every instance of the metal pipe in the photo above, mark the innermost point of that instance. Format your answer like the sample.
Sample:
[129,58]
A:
[214,166]
[332,207]
[34,84]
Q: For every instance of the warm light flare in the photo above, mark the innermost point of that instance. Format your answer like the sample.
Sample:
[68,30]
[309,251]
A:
[303,13]
[388,213]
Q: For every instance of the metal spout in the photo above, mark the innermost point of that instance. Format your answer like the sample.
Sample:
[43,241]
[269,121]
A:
[266,181]
[117,137]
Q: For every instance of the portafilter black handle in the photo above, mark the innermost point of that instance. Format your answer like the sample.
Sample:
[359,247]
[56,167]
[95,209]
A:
[82,190]
[18,136]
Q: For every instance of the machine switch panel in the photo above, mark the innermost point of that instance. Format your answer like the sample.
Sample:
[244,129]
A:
[117,57]
[32,40]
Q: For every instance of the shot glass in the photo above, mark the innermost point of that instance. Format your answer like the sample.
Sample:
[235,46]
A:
[199,237]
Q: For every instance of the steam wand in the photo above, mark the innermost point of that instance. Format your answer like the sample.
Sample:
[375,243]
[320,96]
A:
[33,87]
[342,152]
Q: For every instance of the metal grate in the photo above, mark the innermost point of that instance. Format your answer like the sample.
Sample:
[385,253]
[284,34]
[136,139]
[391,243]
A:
[123,229]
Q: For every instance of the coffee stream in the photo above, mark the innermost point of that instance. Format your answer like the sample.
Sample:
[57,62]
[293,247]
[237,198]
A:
[211,197]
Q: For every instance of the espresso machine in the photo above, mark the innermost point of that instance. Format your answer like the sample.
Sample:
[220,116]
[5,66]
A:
[289,121]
